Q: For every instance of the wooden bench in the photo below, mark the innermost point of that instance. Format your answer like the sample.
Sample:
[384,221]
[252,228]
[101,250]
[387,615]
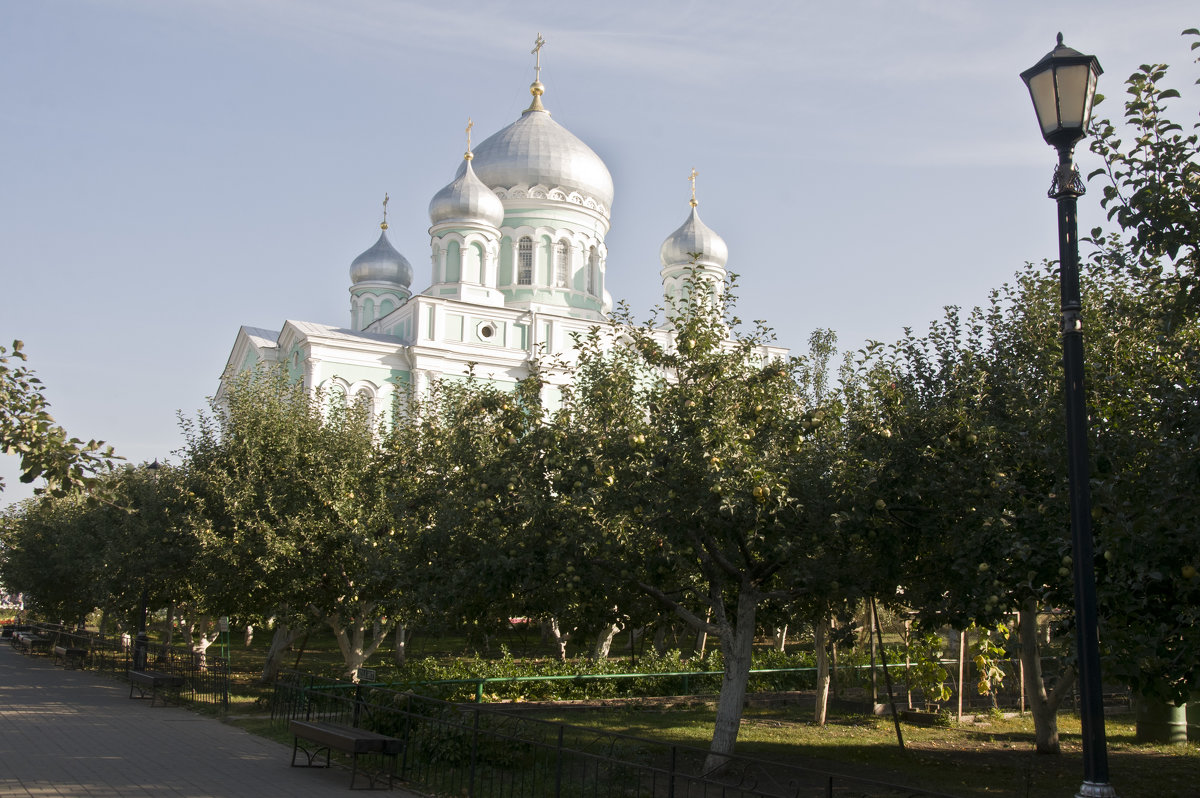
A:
[70,657]
[29,642]
[345,739]
[155,682]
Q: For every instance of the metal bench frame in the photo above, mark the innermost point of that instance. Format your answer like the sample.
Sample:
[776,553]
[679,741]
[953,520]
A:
[155,681]
[329,737]
[70,657]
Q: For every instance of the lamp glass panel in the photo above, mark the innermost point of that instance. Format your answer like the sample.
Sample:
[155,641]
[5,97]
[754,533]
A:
[1091,96]
[1073,94]
[1045,103]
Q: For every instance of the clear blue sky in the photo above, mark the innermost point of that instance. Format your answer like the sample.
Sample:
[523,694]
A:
[171,170]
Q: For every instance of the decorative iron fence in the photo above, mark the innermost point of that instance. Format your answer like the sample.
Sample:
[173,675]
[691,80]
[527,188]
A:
[205,677]
[480,752]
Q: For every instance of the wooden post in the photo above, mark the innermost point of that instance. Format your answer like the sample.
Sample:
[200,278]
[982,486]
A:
[1020,662]
[962,658]
[874,677]
[907,661]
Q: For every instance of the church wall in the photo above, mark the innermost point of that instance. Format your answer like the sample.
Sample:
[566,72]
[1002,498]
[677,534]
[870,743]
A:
[452,326]
[505,274]
[453,270]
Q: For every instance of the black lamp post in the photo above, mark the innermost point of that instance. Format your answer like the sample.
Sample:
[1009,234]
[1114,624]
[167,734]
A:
[1063,86]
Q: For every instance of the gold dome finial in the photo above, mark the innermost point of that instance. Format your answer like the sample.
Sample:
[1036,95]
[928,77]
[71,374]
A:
[383,224]
[693,179]
[536,88]
[469,155]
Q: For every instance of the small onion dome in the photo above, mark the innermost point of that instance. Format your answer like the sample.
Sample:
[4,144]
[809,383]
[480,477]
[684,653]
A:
[466,199]
[694,240]
[381,264]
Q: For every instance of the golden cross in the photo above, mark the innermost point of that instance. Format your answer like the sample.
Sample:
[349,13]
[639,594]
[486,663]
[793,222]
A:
[385,202]
[693,179]
[470,124]
[537,51]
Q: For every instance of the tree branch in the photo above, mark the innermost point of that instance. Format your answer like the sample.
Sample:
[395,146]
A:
[687,615]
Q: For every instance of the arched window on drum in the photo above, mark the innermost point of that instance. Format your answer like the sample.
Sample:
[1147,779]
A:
[525,261]
[561,269]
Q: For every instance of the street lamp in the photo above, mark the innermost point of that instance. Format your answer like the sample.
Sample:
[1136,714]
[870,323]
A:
[1063,86]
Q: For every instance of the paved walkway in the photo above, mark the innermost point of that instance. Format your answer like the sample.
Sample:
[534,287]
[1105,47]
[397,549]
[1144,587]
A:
[77,733]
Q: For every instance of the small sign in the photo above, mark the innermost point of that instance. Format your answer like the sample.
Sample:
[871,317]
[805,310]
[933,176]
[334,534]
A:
[223,623]
[366,675]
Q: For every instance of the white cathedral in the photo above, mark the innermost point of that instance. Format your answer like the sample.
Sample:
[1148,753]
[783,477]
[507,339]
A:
[519,265]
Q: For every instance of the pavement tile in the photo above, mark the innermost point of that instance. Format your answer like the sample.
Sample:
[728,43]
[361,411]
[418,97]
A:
[77,734]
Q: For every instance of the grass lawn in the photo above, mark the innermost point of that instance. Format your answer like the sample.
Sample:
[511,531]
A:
[991,757]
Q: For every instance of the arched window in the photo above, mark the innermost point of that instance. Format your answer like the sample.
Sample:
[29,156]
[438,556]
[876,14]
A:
[525,261]
[593,267]
[364,398]
[560,264]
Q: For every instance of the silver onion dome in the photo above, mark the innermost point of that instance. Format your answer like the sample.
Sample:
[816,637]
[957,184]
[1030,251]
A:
[536,150]
[466,199]
[381,264]
[694,240]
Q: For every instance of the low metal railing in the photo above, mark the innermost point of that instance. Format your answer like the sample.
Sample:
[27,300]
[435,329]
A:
[476,751]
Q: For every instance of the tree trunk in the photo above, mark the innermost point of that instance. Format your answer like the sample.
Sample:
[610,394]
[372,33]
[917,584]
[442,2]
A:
[660,639]
[737,644]
[400,653]
[559,639]
[280,640]
[604,641]
[188,627]
[1043,706]
[820,634]
[352,638]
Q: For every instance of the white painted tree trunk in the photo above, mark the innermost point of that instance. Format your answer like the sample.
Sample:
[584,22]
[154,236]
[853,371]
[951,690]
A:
[604,641]
[737,644]
[781,638]
[351,635]
[1043,705]
[400,652]
[280,640]
[559,639]
[188,628]
[820,635]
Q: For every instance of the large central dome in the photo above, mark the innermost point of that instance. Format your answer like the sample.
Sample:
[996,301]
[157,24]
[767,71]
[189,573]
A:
[537,151]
